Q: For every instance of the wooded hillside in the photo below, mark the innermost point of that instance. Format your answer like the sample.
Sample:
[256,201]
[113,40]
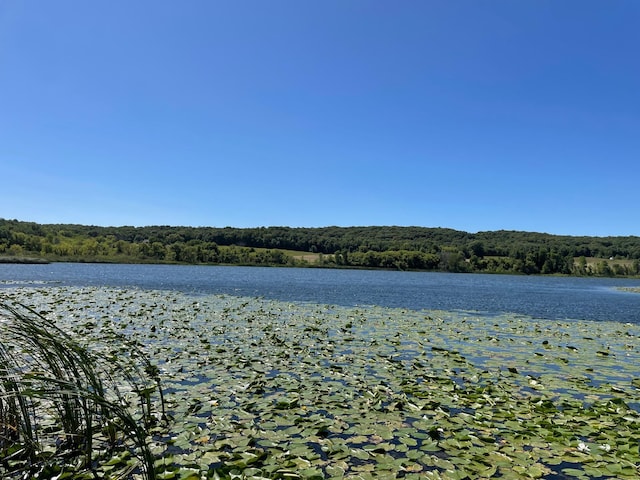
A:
[415,248]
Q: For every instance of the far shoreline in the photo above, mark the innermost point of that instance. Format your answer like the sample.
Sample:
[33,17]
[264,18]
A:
[24,260]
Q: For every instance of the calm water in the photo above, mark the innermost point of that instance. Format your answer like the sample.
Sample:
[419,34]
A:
[543,297]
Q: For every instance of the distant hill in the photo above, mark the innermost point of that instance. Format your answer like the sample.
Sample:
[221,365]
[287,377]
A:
[392,247]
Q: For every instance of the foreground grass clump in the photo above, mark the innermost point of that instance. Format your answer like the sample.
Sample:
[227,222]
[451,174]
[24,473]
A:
[64,412]
[266,389]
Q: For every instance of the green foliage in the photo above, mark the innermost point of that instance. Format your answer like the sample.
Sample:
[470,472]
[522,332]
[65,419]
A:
[264,389]
[61,409]
[413,248]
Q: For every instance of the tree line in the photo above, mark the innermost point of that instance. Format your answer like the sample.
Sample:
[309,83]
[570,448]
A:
[389,247]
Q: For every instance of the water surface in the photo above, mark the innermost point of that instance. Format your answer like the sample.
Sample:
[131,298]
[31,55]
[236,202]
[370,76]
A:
[537,296]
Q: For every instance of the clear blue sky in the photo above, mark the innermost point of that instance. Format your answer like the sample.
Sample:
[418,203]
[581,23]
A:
[473,115]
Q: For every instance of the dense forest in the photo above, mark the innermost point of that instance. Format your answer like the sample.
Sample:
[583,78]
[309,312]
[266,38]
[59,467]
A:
[404,248]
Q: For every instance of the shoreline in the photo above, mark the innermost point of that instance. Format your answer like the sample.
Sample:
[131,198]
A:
[24,260]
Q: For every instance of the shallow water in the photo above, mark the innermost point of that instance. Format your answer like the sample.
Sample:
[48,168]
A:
[258,385]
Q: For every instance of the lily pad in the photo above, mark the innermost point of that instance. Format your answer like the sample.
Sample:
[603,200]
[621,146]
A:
[266,389]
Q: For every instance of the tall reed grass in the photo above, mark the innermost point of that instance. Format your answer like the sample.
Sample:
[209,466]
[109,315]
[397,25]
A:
[65,412]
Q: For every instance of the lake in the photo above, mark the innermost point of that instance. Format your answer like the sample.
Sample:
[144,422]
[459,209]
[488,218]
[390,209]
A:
[536,296]
[319,373]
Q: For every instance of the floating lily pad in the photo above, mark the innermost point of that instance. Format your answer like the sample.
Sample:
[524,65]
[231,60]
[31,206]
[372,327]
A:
[266,389]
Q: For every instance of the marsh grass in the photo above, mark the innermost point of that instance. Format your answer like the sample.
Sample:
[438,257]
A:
[66,411]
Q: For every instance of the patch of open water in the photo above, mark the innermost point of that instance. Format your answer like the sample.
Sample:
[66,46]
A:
[535,296]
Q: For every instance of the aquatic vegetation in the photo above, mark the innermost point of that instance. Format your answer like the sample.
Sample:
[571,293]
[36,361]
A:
[256,388]
[61,411]
[630,289]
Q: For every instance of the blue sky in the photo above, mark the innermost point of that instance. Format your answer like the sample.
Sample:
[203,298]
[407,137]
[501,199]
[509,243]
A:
[516,115]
